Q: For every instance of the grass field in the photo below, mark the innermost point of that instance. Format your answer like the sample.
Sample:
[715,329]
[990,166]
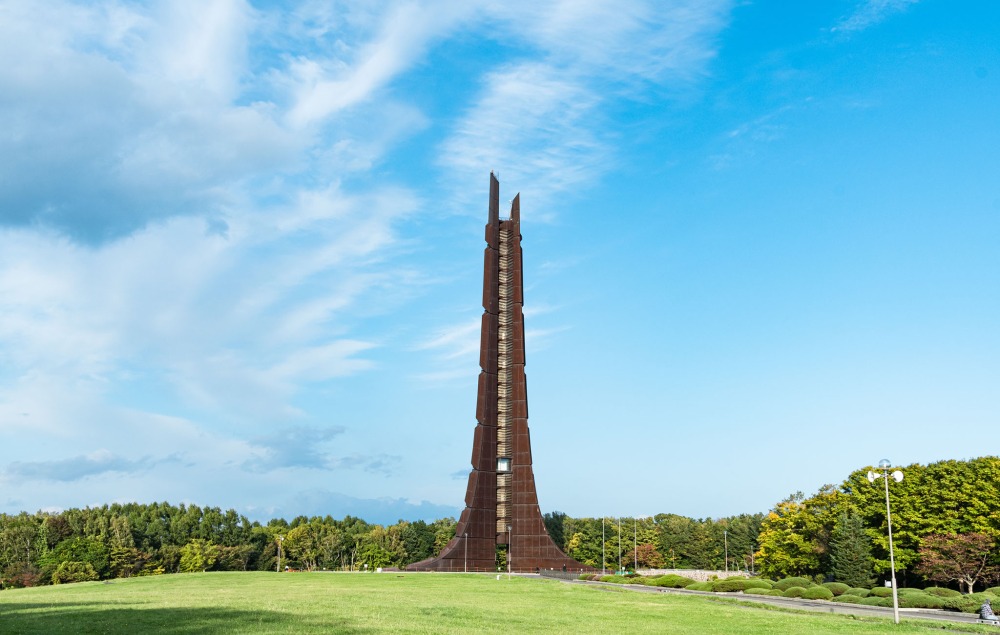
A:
[396,603]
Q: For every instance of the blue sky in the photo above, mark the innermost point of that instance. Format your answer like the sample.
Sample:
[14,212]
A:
[241,248]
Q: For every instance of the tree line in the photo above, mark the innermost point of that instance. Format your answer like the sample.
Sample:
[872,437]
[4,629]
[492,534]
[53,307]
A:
[118,541]
[946,527]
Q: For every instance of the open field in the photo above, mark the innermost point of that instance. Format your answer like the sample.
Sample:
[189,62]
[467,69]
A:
[396,603]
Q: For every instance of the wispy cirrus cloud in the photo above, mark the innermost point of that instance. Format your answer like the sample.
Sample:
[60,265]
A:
[543,119]
[869,13]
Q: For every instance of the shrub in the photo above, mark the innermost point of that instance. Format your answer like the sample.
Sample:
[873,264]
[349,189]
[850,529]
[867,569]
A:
[672,581]
[818,593]
[758,584]
[758,591]
[852,599]
[995,590]
[968,603]
[858,592]
[921,600]
[874,600]
[794,592]
[615,579]
[787,583]
[699,586]
[837,588]
[942,592]
[729,585]
[882,592]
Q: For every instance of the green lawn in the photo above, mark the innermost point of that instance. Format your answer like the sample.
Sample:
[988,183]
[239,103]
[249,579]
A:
[395,603]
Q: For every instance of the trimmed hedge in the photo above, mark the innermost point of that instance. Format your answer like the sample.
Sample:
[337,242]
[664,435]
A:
[616,579]
[672,581]
[873,600]
[756,591]
[699,586]
[794,592]
[969,603]
[758,584]
[738,584]
[851,599]
[882,592]
[837,588]
[942,592]
[786,583]
[921,600]
[818,593]
[858,592]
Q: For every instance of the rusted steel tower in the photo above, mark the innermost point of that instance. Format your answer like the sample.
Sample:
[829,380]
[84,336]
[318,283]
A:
[501,505]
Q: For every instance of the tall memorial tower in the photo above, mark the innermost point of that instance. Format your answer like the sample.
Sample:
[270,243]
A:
[501,506]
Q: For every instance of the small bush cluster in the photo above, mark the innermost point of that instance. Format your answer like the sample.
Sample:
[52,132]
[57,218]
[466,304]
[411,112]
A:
[942,592]
[850,599]
[801,587]
[672,581]
[615,579]
[837,588]
[754,583]
[874,600]
[817,593]
[729,585]
[921,600]
[786,583]
[969,603]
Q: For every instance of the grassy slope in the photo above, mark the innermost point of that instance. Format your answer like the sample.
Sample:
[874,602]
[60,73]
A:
[389,603]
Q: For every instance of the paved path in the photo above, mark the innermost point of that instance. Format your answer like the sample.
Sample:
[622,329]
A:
[820,606]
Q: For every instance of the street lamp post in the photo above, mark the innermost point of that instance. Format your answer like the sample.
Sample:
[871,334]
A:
[277,568]
[897,475]
[465,535]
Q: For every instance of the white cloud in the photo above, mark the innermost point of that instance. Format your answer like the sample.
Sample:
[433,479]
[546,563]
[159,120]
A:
[542,120]
[323,87]
[869,13]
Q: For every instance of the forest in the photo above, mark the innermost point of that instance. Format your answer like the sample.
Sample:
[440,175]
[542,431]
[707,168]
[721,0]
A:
[946,523]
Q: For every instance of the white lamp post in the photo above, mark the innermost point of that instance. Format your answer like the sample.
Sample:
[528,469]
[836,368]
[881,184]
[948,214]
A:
[278,567]
[897,476]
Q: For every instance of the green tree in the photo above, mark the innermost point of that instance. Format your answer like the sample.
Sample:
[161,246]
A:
[554,522]
[73,571]
[850,551]
[198,555]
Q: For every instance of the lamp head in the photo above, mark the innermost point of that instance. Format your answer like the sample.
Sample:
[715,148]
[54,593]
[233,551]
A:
[885,464]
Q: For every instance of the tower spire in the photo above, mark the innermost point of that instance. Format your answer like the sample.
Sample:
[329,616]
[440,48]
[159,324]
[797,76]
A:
[501,504]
